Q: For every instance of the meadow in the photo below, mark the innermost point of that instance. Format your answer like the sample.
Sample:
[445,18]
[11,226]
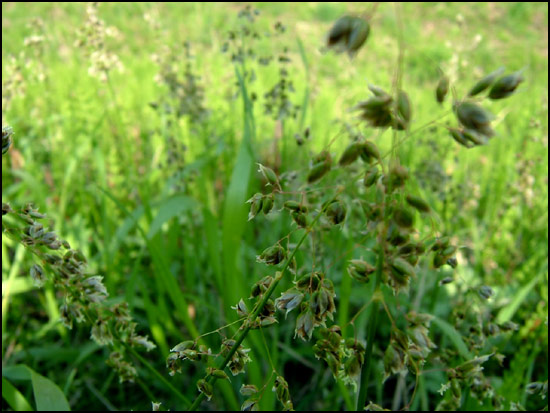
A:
[274,206]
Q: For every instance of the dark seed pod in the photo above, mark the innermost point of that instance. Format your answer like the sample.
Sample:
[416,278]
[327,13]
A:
[418,203]
[336,212]
[300,218]
[505,86]
[317,172]
[351,154]
[458,135]
[404,218]
[272,255]
[369,151]
[474,117]
[485,82]
[348,34]
[442,89]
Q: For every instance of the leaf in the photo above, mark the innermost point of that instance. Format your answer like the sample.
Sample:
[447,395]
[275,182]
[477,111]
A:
[47,395]
[169,208]
[508,311]
[14,398]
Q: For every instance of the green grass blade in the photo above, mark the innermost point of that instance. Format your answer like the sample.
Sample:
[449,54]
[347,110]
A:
[14,398]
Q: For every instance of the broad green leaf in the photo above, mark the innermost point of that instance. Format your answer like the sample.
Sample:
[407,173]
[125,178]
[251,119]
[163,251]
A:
[47,395]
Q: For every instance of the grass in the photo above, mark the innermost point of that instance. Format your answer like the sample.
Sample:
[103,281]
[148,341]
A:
[157,203]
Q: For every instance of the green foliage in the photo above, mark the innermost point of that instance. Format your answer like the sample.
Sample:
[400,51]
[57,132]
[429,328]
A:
[394,246]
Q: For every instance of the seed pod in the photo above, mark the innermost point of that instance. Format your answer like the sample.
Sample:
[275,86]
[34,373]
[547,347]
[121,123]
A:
[295,206]
[219,374]
[205,388]
[267,204]
[272,255]
[240,308]
[37,275]
[369,151]
[255,205]
[348,34]
[485,82]
[360,270]
[359,34]
[418,203]
[485,292]
[475,137]
[248,390]
[505,86]
[317,171]
[300,218]
[371,176]
[336,212]
[269,175]
[289,300]
[458,135]
[442,89]
[404,106]
[474,117]
[446,280]
[404,218]
[397,176]
[351,154]
[402,267]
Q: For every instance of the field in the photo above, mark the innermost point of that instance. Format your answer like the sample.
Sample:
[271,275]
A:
[202,203]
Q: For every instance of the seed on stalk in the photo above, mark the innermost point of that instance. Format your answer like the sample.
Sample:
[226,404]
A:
[505,86]
[348,34]
[485,82]
[442,89]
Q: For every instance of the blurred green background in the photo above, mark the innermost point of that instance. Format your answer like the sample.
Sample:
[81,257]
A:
[183,178]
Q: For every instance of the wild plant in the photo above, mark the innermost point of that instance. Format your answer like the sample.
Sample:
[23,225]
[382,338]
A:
[398,240]
[84,296]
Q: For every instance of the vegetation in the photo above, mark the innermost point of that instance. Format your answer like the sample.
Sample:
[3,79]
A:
[310,206]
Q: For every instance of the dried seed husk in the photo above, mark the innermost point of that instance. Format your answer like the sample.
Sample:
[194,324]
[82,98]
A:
[442,89]
[485,82]
[351,154]
[418,203]
[309,282]
[505,86]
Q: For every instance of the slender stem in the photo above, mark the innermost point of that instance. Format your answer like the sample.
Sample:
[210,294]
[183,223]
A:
[371,330]
[242,335]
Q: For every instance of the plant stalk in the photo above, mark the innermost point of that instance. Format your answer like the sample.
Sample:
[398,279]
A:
[211,379]
[371,331]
